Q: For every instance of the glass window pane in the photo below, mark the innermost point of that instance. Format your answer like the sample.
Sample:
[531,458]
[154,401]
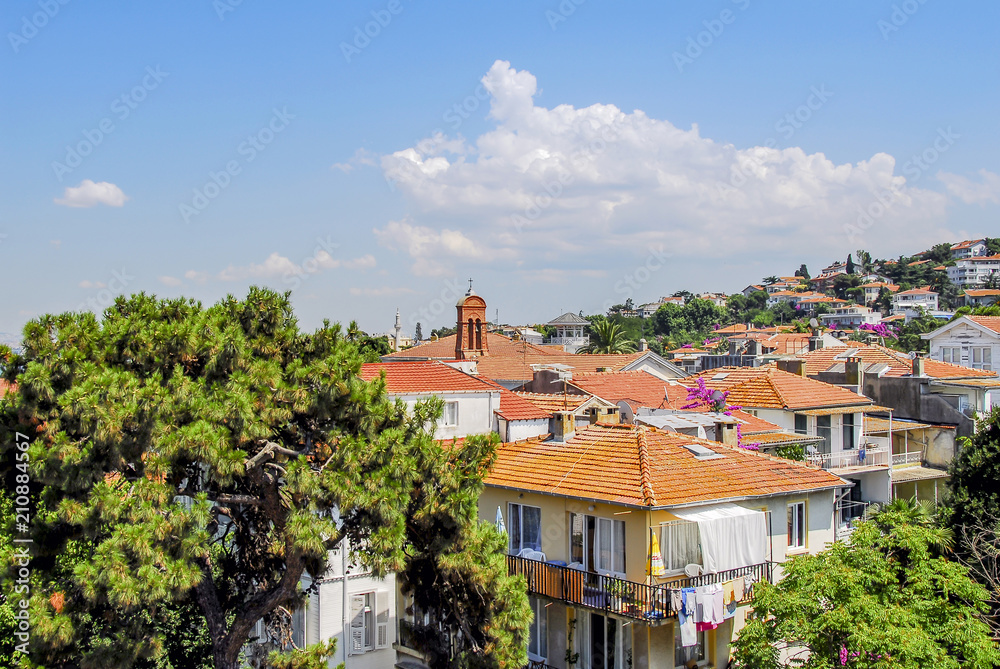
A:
[514,520]
[619,547]
[604,544]
[531,523]
[576,538]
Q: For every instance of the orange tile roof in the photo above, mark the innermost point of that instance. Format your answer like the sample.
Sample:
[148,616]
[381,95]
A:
[639,389]
[918,291]
[510,360]
[981,292]
[991,322]
[772,388]
[899,363]
[444,348]
[431,376]
[554,401]
[752,424]
[643,467]
[966,244]
[513,407]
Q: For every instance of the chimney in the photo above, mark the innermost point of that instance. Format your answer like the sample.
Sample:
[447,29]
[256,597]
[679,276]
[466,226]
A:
[793,366]
[918,364]
[563,426]
[643,345]
[815,342]
[853,372]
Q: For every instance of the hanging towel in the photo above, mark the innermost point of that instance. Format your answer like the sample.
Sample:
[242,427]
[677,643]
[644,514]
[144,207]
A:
[685,617]
[739,589]
[728,600]
[677,601]
[704,597]
[718,608]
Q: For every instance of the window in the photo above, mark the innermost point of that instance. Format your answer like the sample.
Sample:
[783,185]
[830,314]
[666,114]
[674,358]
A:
[951,354]
[848,431]
[525,528]
[684,654]
[369,621]
[797,525]
[680,545]
[538,640]
[981,358]
[823,430]
[597,543]
[801,424]
[450,414]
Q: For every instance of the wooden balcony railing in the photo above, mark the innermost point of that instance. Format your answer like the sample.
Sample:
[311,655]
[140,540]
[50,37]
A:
[638,601]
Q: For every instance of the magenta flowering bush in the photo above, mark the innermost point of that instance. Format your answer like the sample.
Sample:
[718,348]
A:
[880,329]
[715,400]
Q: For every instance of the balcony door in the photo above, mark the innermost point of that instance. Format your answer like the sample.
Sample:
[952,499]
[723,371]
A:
[605,643]
[598,544]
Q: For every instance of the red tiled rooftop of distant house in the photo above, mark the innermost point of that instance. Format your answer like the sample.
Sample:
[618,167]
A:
[918,291]
[772,388]
[991,322]
[643,467]
[551,402]
[639,389]
[514,407]
[982,292]
[899,364]
[966,244]
[416,377]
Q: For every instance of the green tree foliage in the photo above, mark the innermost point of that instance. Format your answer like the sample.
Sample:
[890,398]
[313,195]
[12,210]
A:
[993,246]
[418,333]
[939,254]
[850,264]
[465,560]
[864,262]
[803,272]
[443,332]
[182,455]
[909,334]
[890,598]
[608,337]
[843,283]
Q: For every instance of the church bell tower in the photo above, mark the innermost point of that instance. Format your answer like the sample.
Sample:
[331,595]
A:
[470,342]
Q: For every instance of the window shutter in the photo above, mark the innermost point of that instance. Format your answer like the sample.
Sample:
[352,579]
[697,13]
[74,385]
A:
[357,646]
[382,619]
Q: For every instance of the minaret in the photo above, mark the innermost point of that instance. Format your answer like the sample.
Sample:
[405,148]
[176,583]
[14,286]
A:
[398,332]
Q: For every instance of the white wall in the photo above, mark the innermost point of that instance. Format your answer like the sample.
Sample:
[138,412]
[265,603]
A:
[475,412]
[331,614]
[525,429]
[966,336]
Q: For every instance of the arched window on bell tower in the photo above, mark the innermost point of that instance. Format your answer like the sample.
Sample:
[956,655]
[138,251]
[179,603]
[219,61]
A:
[472,336]
[479,335]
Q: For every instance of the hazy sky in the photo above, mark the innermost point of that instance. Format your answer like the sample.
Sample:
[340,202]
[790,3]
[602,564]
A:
[374,155]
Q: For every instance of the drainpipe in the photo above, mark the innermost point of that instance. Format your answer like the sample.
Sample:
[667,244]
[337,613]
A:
[343,591]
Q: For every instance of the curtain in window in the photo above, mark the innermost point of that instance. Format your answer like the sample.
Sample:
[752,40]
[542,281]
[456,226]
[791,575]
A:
[618,561]
[680,543]
[514,515]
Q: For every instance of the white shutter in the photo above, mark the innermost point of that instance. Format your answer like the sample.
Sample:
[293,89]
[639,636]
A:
[382,619]
[357,642]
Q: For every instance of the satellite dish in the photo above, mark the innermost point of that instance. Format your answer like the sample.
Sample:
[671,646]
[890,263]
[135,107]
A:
[813,323]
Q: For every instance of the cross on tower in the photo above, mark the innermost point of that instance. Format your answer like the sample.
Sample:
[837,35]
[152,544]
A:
[470,284]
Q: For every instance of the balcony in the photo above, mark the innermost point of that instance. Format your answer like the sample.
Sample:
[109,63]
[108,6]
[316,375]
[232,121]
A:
[849,514]
[908,458]
[855,458]
[636,601]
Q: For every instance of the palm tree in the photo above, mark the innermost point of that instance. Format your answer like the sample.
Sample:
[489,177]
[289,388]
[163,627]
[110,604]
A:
[608,337]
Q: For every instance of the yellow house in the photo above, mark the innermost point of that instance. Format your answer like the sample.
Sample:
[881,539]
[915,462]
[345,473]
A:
[582,514]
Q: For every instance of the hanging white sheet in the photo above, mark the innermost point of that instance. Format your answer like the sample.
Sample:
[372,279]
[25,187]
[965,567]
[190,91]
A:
[731,536]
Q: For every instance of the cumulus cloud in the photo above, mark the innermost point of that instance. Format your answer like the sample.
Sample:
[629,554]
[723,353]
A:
[170,281]
[971,192]
[429,248]
[90,194]
[360,157]
[563,182]
[278,266]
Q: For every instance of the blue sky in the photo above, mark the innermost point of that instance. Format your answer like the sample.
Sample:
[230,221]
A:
[605,151]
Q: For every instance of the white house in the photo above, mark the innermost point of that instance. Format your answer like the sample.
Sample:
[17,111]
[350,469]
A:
[571,332]
[850,316]
[970,341]
[911,300]
[974,271]
[873,289]
[969,249]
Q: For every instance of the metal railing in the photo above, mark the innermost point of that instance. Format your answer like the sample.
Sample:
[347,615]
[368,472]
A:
[908,458]
[637,601]
[849,513]
[859,457]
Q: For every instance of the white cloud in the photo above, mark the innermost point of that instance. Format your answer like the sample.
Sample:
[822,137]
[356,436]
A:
[970,192]
[278,266]
[428,247]
[360,157]
[170,281]
[90,194]
[549,186]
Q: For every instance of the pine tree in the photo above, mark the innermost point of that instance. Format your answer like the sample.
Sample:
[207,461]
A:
[181,454]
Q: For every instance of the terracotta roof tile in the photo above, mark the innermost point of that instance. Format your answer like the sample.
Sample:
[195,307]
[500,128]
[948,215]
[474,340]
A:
[432,376]
[554,401]
[991,322]
[899,363]
[643,467]
[772,388]
[639,389]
